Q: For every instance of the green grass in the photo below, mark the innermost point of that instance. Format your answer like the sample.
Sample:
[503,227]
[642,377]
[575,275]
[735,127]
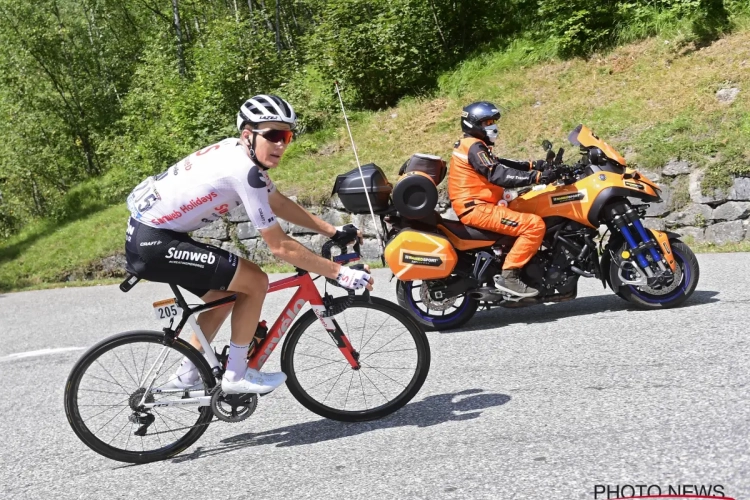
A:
[652,100]
[45,252]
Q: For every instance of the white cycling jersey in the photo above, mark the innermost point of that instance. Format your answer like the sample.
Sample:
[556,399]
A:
[201,188]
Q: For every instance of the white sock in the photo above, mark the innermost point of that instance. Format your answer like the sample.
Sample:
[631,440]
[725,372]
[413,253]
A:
[236,362]
[187,372]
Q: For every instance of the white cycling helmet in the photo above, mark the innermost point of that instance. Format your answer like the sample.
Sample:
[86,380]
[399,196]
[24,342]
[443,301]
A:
[266,108]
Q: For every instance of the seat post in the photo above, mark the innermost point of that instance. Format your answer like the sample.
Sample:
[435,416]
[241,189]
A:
[180,299]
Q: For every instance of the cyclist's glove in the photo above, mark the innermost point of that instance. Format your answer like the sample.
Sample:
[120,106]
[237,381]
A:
[345,234]
[353,279]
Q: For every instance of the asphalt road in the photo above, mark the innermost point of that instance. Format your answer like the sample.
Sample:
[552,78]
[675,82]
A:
[537,403]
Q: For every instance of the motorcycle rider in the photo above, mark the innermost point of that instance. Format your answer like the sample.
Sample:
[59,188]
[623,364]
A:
[475,186]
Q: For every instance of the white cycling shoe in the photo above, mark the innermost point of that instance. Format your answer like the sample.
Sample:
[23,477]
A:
[253,382]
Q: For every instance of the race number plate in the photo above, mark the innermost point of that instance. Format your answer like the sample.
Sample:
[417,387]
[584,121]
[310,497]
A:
[167,309]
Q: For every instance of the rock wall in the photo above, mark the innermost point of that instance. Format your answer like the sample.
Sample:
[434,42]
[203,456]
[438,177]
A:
[721,217]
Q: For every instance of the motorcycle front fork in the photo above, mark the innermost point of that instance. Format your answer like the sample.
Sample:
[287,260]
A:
[640,244]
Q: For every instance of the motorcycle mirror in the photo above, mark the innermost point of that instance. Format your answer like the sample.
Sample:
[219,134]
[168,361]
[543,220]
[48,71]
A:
[546,145]
[550,156]
[558,158]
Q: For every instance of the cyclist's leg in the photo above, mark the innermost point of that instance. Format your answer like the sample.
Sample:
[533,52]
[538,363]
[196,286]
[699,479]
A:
[251,284]
[210,321]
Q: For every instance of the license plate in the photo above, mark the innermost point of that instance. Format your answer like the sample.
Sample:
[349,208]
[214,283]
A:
[167,309]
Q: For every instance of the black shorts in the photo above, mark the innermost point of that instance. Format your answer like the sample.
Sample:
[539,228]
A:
[171,257]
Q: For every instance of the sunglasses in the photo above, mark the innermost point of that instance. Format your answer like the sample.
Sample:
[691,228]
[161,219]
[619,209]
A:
[273,135]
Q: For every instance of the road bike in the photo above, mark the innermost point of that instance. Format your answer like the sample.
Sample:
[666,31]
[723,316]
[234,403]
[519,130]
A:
[352,359]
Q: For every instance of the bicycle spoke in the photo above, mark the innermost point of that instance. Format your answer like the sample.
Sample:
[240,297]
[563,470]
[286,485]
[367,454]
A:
[113,378]
[108,408]
[386,376]
[334,384]
[376,332]
[394,338]
[135,365]
[375,386]
[118,432]
[349,389]
[364,396]
[166,424]
[386,352]
[111,419]
[123,366]
[320,366]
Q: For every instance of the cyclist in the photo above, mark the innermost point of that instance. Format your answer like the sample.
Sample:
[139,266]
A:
[197,191]
[475,186]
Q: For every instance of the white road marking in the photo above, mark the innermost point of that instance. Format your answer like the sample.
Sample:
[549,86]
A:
[40,352]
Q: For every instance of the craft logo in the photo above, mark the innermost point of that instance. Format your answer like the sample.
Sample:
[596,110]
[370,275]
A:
[567,198]
[674,491]
[422,260]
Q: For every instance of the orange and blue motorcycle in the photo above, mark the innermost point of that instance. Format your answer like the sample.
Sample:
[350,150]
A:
[445,269]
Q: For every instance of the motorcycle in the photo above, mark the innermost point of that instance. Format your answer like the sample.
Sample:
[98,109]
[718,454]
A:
[445,269]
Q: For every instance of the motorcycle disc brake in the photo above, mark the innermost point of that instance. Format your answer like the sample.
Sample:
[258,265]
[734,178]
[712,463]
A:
[435,305]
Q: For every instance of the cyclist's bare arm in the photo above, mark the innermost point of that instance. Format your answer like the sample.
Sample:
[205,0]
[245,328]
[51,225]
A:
[293,252]
[290,211]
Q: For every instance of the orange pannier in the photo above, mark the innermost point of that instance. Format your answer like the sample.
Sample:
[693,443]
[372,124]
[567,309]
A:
[417,255]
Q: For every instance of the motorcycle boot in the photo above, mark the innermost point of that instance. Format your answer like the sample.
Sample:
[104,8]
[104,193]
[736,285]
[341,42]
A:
[510,281]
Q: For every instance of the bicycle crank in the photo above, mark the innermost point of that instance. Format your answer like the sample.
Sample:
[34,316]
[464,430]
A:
[232,407]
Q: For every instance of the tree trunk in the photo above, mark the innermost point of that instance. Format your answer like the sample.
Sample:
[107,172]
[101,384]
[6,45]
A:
[278,37]
[252,17]
[178,33]
[265,15]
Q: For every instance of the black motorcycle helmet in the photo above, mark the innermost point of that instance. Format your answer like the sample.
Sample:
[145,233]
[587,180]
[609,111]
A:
[474,115]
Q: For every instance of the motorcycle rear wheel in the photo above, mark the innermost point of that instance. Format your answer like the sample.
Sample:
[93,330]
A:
[672,295]
[409,297]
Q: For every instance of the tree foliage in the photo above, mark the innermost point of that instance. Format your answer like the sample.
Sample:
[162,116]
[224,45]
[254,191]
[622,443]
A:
[96,94]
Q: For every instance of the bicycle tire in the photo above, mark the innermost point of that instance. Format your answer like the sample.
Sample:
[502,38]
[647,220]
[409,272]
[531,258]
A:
[73,410]
[302,394]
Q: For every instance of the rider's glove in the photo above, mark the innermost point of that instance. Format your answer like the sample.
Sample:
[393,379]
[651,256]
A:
[538,165]
[345,234]
[353,279]
[548,176]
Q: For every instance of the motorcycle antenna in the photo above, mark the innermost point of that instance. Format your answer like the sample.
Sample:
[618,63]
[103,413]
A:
[361,175]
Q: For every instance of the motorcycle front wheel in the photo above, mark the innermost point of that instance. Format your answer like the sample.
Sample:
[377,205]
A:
[434,315]
[670,295]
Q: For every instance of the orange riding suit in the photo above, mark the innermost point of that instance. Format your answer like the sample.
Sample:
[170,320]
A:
[475,184]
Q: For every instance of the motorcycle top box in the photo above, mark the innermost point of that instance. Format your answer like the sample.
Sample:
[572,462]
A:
[415,194]
[352,194]
[418,255]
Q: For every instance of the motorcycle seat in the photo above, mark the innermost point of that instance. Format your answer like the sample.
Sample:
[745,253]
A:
[469,233]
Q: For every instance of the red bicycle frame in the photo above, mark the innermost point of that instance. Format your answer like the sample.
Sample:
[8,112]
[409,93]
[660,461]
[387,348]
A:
[307,292]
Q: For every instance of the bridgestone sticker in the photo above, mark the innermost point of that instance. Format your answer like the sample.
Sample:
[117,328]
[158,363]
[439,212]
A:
[422,260]
[568,198]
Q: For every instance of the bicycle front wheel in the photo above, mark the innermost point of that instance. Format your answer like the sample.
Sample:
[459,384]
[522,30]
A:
[393,353]
[121,402]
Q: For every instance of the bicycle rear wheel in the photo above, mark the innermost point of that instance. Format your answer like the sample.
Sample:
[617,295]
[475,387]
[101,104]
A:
[392,350]
[104,398]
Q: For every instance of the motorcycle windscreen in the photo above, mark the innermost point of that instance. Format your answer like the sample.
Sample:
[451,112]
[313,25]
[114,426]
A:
[583,136]
[415,255]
